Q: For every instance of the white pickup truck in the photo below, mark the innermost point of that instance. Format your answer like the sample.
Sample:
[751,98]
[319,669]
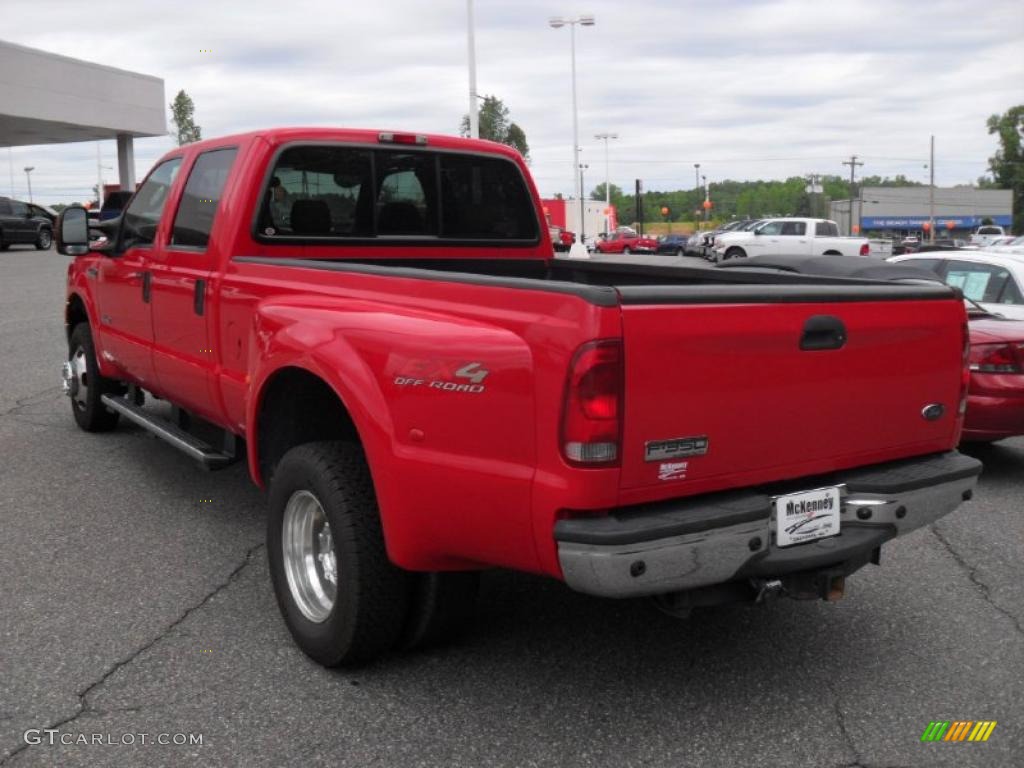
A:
[986,235]
[788,237]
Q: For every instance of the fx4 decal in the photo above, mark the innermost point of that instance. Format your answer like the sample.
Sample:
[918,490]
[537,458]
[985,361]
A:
[444,375]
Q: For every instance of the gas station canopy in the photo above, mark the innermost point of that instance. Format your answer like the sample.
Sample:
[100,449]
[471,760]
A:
[46,98]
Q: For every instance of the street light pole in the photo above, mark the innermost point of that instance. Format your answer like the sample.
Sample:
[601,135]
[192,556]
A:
[28,176]
[474,116]
[696,185]
[583,213]
[556,22]
[931,195]
[607,182]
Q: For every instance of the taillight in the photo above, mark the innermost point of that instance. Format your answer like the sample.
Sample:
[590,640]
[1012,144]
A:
[865,249]
[997,358]
[592,412]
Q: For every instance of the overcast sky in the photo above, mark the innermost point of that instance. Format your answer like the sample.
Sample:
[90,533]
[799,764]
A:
[750,89]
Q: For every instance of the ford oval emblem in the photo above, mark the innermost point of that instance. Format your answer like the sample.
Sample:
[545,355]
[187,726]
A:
[933,412]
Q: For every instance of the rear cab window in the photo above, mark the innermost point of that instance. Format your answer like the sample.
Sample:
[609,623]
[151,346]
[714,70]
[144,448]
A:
[826,229]
[340,194]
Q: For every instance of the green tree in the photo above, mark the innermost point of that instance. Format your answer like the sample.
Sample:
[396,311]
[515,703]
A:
[1007,164]
[496,125]
[183,117]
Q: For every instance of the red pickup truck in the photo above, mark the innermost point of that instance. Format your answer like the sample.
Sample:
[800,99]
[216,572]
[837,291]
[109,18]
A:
[373,320]
[626,242]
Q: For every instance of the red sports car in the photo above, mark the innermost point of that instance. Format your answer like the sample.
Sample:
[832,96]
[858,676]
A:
[995,399]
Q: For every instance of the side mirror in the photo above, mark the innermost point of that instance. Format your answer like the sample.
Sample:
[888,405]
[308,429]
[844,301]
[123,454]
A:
[73,231]
[757,231]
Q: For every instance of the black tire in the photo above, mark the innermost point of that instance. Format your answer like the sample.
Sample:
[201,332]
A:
[3,245]
[832,253]
[368,613]
[44,239]
[441,607]
[626,251]
[679,253]
[735,253]
[89,412]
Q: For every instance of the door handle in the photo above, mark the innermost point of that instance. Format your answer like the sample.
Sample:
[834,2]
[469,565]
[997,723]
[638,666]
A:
[146,285]
[823,332]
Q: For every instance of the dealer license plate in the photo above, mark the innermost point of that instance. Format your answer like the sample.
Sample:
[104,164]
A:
[806,516]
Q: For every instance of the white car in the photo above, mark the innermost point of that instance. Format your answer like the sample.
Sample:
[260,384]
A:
[788,237]
[1012,245]
[994,280]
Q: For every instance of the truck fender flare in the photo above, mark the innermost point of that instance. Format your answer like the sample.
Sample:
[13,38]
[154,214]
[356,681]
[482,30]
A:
[338,366]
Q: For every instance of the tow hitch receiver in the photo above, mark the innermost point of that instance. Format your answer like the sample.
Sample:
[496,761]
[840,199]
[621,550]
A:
[828,584]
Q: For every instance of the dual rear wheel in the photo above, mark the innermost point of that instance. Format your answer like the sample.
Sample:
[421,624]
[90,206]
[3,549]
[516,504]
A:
[341,597]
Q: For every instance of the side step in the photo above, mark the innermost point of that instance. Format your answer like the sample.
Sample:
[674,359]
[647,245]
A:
[188,444]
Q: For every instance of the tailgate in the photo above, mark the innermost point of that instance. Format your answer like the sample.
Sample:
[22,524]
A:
[786,382]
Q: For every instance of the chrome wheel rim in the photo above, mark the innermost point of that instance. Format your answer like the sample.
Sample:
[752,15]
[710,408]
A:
[44,239]
[310,563]
[76,379]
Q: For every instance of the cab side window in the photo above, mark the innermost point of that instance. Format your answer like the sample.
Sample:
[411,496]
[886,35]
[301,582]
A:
[202,193]
[143,215]
[796,228]
[771,228]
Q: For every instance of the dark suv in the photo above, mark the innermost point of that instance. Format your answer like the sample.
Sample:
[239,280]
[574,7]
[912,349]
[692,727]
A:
[23,223]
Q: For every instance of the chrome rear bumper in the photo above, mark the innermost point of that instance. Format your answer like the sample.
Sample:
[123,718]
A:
[705,540]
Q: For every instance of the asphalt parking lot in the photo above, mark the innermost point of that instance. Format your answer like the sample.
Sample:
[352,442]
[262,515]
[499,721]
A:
[134,599]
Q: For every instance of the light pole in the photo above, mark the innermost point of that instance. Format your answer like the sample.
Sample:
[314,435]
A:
[28,176]
[474,117]
[583,167]
[696,185]
[607,184]
[556,22]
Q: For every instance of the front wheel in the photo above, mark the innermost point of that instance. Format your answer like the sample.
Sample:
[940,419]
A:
[44,239]
[342,599]
[84,384]
[626,251]
[679,253]
[735,253]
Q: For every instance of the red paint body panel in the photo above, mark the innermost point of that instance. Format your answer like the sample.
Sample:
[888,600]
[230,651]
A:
[471,479]
[736,375]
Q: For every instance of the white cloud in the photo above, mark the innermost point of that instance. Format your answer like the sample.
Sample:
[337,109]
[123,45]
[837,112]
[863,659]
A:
[754,89]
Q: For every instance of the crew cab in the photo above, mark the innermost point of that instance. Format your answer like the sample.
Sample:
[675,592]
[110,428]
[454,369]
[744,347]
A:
[626,242]
[375,323]
[788,237]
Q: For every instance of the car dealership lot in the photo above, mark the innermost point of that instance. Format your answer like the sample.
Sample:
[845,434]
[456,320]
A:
[135,599]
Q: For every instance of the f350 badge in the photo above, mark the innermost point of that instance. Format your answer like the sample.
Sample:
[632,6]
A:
[675,448]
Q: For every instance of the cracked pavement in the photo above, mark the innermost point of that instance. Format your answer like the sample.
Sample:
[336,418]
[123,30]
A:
[129,607]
